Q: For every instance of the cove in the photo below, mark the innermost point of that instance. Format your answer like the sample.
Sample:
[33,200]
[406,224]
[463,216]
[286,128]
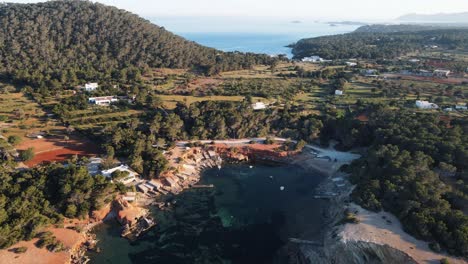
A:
[247,217]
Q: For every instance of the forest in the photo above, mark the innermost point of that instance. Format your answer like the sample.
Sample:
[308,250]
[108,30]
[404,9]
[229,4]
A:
[416,169]
[63,43]
[363,44]
[32,199]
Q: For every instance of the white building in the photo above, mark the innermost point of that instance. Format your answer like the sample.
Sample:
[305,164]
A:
[426,105]
[441,73]
[103,100]
[338,92]
[312,59]
[461,107]
[89,87]
[259,106]
[131,174]
[351,64]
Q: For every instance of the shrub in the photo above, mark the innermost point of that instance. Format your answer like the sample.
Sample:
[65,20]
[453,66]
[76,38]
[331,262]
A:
[14,140]
[27,155]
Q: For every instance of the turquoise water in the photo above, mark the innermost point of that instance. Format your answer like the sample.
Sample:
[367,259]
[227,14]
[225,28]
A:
[258,35]
[245,218]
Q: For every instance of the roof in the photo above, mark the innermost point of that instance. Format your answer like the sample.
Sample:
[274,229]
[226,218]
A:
[122,167]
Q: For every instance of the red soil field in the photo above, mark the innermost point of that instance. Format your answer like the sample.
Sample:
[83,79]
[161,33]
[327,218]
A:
[51,149]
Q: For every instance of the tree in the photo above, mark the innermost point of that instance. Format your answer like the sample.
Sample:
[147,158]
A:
[27,155]
[300,145]
[14,140]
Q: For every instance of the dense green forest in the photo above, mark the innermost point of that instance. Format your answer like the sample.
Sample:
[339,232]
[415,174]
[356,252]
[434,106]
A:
[31,199]
[63,42]
[415,168]
[379,45]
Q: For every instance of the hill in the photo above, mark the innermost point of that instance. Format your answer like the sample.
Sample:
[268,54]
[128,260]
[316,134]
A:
[381,42]
[61,41]
[440,18]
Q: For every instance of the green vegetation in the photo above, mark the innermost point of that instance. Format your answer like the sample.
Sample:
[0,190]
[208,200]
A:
[14,140]
[379,45]
[95,41]
[49,241]
[27,155]
[401,172]
[32,199]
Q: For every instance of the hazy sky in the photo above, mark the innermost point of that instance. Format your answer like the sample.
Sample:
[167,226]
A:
[313,9]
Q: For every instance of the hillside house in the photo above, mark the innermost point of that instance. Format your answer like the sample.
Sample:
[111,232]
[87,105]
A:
[351,64]
[132,175]
[441,73]
[103,100]
[338,92]
[259,106]
[90,87]
[426,105]
[461,107]
[313,59]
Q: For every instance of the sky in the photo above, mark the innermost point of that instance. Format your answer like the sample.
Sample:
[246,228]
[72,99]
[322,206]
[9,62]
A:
[365,10]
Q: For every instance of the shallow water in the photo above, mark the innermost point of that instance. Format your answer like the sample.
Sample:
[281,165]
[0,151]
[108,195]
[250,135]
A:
[246,218]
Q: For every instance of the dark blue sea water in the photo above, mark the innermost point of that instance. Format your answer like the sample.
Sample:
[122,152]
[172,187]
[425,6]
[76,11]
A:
[256,35]
[245,219]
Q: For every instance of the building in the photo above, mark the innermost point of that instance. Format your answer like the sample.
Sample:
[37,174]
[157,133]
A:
[94,166]
[414,60]
[313,59]
[351,64]
[259,106]
[131,174]
[441,73]
[156,184]
[171,181]
[129,197]
[426,105]
[338,92]
[461,107]
[369,72]
[90,87]
[103,100]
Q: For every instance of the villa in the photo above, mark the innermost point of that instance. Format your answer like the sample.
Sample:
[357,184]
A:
[103,100]
[441,73]
[90,87]
[259,106]
[338,92]
[426,105]
[132,175]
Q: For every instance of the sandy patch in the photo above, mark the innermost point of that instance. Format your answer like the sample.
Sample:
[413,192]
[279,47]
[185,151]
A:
[384,229]
[68,237]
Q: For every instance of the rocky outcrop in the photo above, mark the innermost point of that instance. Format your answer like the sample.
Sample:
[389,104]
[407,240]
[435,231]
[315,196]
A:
[357,252]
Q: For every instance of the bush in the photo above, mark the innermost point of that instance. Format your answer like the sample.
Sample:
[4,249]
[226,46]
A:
[14,140]
[27,155]
[300,145]
[444,261]
[20,250]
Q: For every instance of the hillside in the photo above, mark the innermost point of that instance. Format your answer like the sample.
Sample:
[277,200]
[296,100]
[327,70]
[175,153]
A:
[61,41]
[381,42]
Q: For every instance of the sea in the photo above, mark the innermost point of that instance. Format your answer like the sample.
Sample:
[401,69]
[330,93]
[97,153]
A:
[246,218]
[259,35]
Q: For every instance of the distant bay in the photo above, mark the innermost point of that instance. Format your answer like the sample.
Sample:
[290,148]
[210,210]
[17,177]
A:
[249,35]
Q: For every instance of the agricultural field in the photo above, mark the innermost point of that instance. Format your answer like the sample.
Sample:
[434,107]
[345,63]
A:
[32,127]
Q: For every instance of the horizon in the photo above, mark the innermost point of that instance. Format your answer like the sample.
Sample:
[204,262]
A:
[361,10]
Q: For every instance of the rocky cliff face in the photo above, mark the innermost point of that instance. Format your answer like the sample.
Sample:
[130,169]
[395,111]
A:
[358,252]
